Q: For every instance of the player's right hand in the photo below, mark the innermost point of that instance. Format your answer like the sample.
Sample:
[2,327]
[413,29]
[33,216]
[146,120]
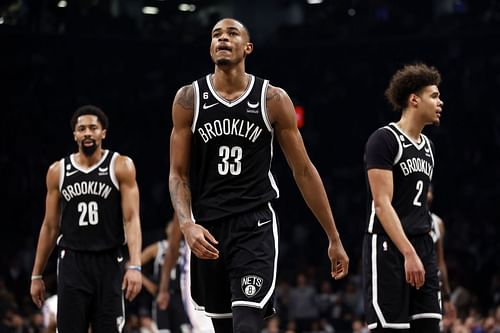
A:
[37,291]
[414,270]
[200,241]
[162,299]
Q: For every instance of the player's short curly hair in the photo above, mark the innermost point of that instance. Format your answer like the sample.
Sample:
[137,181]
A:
[410,80]
[89,110]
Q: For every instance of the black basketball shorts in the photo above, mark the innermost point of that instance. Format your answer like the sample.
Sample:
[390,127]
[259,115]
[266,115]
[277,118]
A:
[245,272]
[89,291]
[389,300]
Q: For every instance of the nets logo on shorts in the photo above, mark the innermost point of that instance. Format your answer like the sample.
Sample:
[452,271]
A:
[251,284]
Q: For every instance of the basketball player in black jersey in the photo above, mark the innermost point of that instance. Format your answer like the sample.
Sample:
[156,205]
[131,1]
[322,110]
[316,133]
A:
[221,185]
[399,259]
[92,210]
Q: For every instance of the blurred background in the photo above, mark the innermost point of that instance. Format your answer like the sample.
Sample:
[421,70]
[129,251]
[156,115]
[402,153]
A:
[333,57]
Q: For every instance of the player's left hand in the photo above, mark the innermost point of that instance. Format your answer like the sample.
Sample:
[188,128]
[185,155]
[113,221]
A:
[338,258]
[132,283]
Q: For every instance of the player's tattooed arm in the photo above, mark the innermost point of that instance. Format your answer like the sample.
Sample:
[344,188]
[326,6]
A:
[273,94]
[185,98]
[180,151]
[181,197]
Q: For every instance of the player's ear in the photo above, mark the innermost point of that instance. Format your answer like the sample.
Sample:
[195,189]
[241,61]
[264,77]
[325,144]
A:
[413,100]
[248,48]
[104,133]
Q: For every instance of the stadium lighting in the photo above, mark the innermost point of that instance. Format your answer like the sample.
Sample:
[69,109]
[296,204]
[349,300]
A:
[314,2]
[186,7]
[150,10]
[62,4]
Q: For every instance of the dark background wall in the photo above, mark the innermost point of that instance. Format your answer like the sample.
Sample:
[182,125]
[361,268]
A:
[335,59]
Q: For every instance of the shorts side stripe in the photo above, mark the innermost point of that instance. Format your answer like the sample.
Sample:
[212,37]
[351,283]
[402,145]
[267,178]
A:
[121,324]
[427,315]
[378,311]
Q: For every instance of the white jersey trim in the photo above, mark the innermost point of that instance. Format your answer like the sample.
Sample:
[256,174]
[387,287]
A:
[400,149]
[265,115]
[233,102]
[112,171]
[428,150]
[270,174]
[92,168]
[417,145]
[196,105]
[372,217]
[61,174]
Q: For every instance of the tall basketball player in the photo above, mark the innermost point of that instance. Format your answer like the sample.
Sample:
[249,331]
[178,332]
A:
[221,184]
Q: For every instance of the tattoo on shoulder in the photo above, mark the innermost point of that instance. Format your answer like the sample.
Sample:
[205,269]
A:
[185,98]
[273,94]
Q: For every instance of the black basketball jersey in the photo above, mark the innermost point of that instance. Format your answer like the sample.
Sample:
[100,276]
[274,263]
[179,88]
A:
[412,165]
[91,215]
[232,151]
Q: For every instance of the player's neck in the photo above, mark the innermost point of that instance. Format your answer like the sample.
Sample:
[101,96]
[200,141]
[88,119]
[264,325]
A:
[410,126]
[89,161]
[230,81]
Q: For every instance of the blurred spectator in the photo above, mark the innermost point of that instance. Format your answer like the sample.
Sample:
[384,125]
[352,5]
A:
[303,307]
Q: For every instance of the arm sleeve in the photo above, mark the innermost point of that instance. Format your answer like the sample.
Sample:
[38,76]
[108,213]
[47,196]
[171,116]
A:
[380,150]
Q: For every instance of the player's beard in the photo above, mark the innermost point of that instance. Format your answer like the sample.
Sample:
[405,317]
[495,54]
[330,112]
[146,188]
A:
[89,150]
[223,62]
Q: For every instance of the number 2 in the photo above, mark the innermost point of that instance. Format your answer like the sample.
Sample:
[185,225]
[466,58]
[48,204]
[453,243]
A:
[420,187]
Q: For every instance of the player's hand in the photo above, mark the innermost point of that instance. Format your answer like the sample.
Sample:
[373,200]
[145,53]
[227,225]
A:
[414,270]
[338,258]
[132,283]
[450,311]
[162,299]
[37,291]
[200,241]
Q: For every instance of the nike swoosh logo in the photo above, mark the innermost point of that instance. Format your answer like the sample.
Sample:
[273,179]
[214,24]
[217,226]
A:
[253,106]
[261,223]
[103,169]
[407,145]
[70,173]
[205,106]
[119,259]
